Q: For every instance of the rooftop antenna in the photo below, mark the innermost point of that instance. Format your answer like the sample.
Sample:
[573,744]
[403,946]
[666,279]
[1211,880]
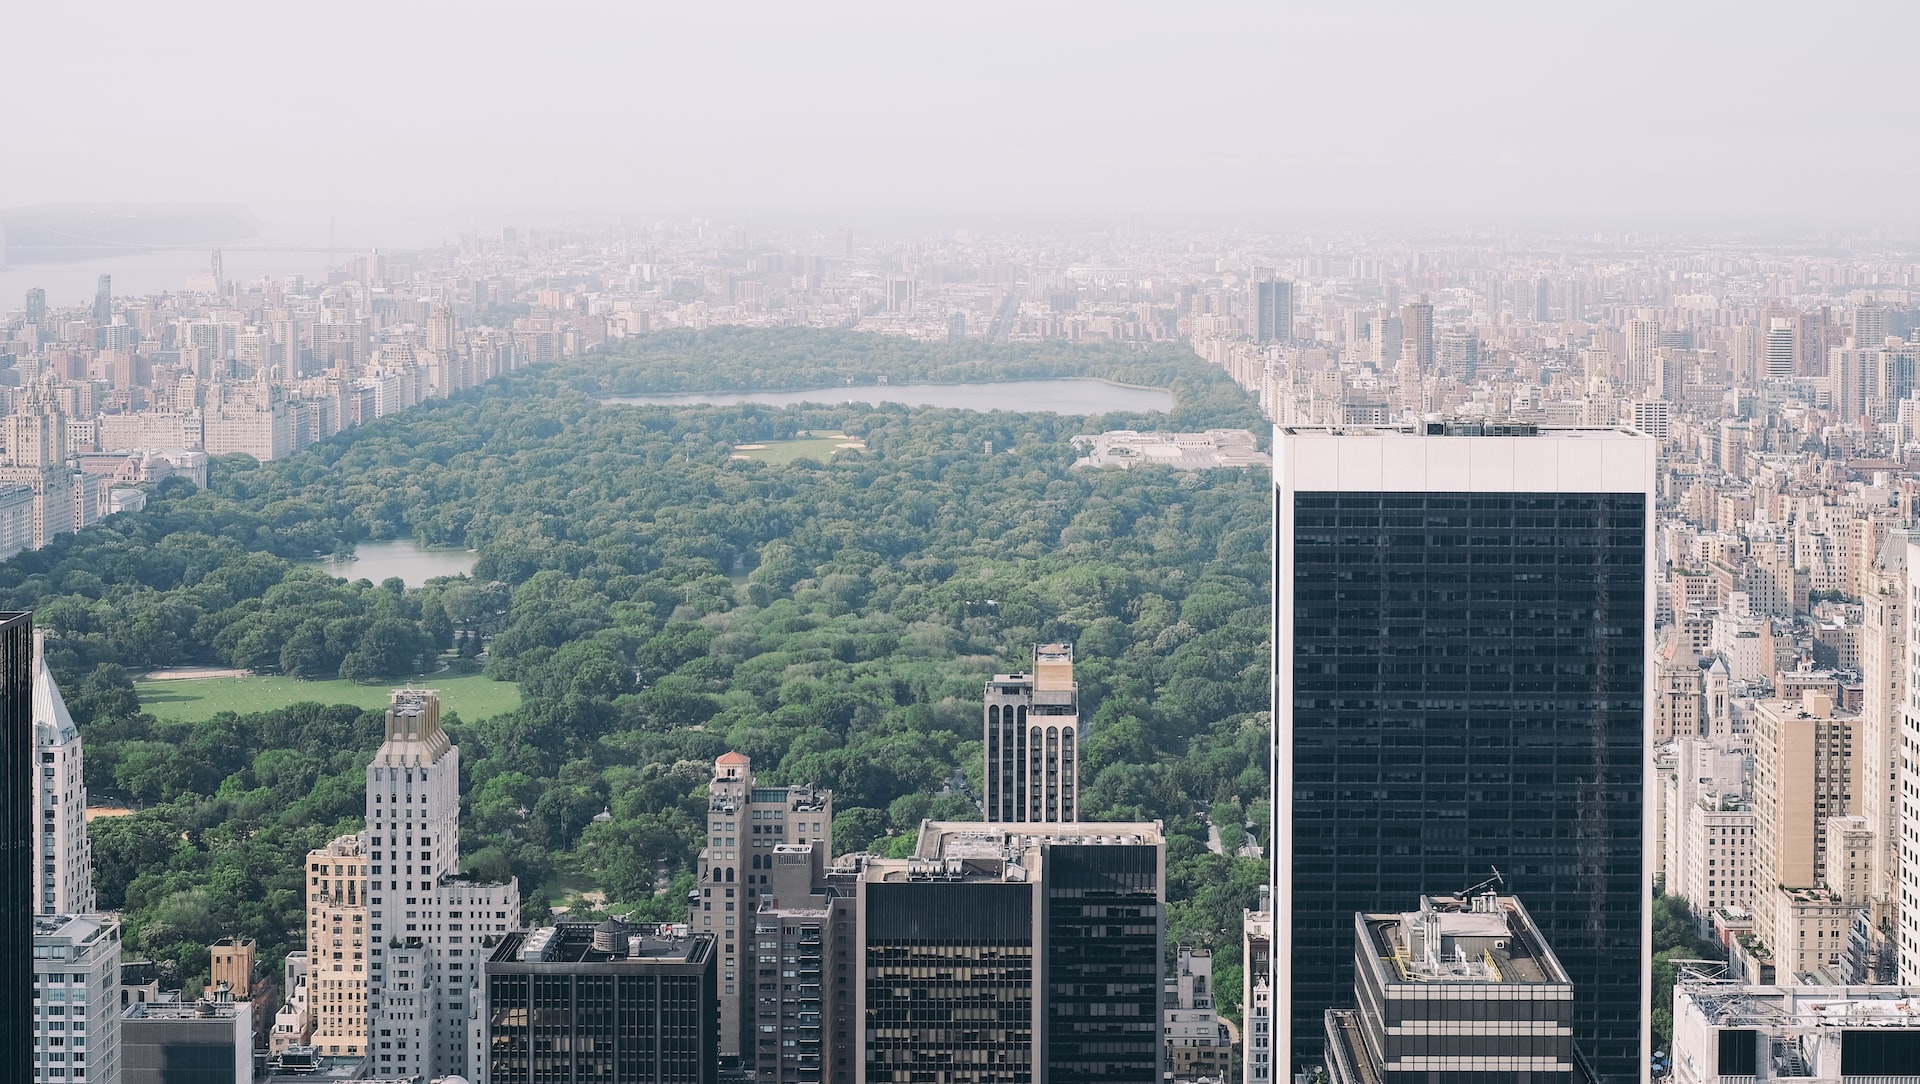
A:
[1496,879]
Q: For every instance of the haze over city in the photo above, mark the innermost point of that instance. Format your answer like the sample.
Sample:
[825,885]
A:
[1681,117]
[856,543]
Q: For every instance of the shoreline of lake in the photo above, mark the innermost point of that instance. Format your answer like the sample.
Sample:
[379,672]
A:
[403,557]
[1055,395]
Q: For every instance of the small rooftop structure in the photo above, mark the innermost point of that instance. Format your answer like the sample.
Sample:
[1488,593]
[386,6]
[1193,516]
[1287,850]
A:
[1212,449]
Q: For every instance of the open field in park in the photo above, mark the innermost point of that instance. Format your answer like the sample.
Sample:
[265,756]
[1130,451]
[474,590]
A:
[815,445]
[472,696]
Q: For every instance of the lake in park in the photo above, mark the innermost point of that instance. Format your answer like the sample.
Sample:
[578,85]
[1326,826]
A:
[1068,396]
[402,557]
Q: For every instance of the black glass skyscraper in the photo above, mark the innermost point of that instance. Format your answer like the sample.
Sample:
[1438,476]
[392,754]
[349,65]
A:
[1461,627]
[17,888]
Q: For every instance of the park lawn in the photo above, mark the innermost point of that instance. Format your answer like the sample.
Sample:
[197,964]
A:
[820,446]
[471,696]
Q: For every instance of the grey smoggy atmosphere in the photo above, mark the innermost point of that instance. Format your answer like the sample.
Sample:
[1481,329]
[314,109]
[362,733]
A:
[1750,115]
[959,543]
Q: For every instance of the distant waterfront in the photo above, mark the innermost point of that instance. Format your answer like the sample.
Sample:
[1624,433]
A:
[1069,396]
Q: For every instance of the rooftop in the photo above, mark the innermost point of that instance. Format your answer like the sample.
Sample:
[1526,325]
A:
[1485,939]
[607,942]
[977,851]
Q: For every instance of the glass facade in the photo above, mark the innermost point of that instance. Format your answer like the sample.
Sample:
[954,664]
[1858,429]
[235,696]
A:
[555,1024]
[1468,691]
[1102,964]
[18,892]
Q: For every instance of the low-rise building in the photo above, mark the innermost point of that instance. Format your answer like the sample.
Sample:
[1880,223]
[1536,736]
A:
[1725,1031]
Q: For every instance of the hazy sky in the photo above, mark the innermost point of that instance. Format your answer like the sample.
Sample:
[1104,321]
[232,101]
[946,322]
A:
[1663,114]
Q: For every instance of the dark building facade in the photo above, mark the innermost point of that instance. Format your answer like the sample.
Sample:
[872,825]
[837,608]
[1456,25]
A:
[801,969]
[19,892]
[575,1003]
[1462,624]
[1272,319]
[998,955]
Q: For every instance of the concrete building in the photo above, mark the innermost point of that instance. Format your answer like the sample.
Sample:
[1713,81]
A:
[607,1002]
[65,860]
[427,928]
[802,971]
[1725,1032]
[338,949]
[1372,716]
[1414,970]
[293,1022]
[1031,742]
[1256,992]
[1883,674]
[746,823]
[208,1041]
[1014,952]
[76,999]
[1802,773]
[1198,1045]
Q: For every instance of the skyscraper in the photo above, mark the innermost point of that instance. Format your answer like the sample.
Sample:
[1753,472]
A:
[1032,740]
[103,301]
[1004,954]
[1462,622]
[18,896]
[746,823]
[425,924]
[1416,325]
[59,798]
[1272,319]
[36,306]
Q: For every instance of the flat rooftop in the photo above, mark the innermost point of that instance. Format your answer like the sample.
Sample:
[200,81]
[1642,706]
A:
[1485,939]
[608,942]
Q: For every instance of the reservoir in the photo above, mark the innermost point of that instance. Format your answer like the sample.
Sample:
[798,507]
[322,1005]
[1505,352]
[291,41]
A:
[405,558]
[1065,396]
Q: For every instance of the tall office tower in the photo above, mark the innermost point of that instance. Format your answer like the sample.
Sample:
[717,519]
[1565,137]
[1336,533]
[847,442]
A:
[103,301]
[802,971]
[1014,953]
[424,923]
[1273,310]
[1802,772]
[1870,326]
[1384,332]
[745,823]
[337,946]
[1542,300]
[1781,347]
[1032,749]
[1256,991]
[1643,339]
[19,891]
[36,306]
[1458,990]
[1876,742]
[1463,619]
[75,980]
[1416,327]
[59,798]
[1907,915]
[607,1002]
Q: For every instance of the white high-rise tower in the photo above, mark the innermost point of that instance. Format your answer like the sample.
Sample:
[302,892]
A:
[427,929]
[59,799]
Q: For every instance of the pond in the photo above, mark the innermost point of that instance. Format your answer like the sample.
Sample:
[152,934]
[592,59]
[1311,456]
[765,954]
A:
[402,557]
[1066,396]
